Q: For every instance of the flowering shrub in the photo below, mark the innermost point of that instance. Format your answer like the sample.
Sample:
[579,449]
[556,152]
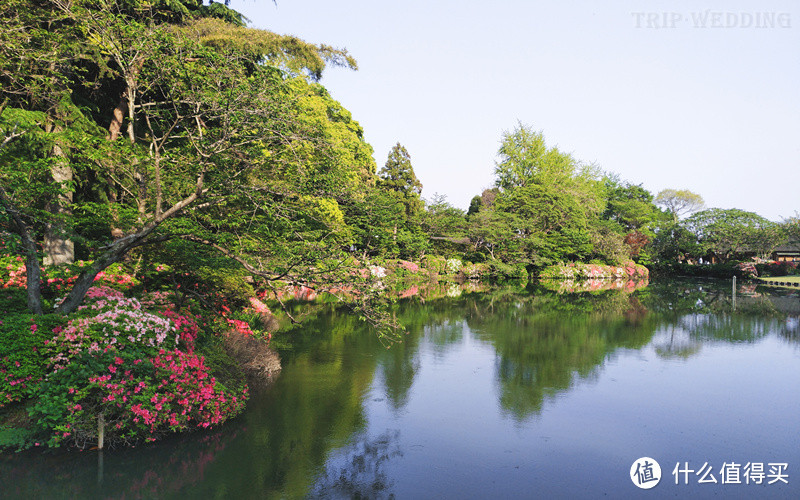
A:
[12,271]
[157,300]
[258,306]
[240,326]
[186,326]
[110,319]
[140,398]
[377,271]
[579,271]
[15,378]
[13,274]
[409,266]
[747,269]
[116,275]
[57,280]
[452,266]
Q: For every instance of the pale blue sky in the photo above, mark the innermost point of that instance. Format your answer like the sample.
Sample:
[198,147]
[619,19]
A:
[639,88]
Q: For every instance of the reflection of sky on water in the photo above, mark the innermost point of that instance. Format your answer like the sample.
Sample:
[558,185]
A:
[729,401]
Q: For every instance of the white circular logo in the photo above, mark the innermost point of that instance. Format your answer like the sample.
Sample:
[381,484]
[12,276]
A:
[645,473]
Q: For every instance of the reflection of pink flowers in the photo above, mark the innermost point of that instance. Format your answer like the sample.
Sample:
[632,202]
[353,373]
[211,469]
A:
[414,290]
[409,266]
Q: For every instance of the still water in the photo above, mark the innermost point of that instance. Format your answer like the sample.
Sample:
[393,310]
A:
[503,394]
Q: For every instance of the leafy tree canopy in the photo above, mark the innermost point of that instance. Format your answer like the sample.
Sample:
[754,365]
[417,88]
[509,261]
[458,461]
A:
[398,175]
[226,145]
[728,232]
[679,202]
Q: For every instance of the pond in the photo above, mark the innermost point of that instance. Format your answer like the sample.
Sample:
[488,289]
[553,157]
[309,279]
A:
[503,394]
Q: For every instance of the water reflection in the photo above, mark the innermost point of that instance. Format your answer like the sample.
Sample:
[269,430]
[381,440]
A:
[358,470]
[321,429]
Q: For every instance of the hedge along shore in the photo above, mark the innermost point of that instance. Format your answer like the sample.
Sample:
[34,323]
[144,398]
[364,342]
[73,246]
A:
[579,271]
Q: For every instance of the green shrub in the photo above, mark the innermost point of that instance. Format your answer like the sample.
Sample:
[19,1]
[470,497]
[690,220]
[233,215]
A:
[434,263]
[500,271]
[777,269]
[15,439]
[13,300]
[23,359]
[723,271]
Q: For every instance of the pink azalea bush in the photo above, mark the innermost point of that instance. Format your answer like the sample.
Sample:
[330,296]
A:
[12,272]
[109,319]
[409,266]
[240,326]
[747,269]
[139,397]
[14,381]
[134,369]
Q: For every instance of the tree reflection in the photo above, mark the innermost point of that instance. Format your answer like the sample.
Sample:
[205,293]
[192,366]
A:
[358,470]
[545,342]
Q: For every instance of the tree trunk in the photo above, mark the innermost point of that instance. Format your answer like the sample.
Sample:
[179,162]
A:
[34,277]
[86,279]
[58,248]
[32,269]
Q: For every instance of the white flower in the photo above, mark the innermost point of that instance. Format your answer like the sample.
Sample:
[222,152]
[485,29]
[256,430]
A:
[377,271]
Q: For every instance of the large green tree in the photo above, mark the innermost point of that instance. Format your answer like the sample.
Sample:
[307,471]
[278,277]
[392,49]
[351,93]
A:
[679,202]
[175,123]
[398,176]
[551,200]
[728,233]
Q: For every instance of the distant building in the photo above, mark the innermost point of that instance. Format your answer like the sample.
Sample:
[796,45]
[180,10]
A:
[787,253]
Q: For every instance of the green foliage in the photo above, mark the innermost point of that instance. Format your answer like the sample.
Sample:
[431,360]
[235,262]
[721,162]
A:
[286,52]
[475,205]
[778,269]
[12,301]
[791,228]
[442,219]
[227,142]
[23,358]
[730,232]
[435,264]
[673,242]
[725,270]
[544,209]
[679,202]
[397,175]
[15,439]
[607,244]
[495,271]
[628,205]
